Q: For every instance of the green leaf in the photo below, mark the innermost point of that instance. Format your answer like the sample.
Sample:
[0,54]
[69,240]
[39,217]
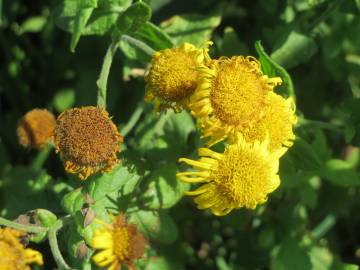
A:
[163,190]
[304,156]
[121,180]
[45,217]
[231,44]
[81,18]
[64,99]
[351,110]
[32,25]
[155,225]
[73,201]
[340,172]
[102,19]
[150,34]
[194,29]
[134,18]
[297,48]
[291,256]
[159,263]
[321,258]
[271,68]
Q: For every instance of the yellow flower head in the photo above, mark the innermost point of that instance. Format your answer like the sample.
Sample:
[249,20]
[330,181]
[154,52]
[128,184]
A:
[172,77]
[35,128]
[231,94]
[120,243]
[277,123]
[242,176]
[14,256]
[87,140]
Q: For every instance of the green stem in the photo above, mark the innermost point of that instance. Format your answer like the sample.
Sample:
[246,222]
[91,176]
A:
[41,157]
[320,124]
[22,227]
[55,247]
[325,225]
[132,121]
[104,74]
[138,44]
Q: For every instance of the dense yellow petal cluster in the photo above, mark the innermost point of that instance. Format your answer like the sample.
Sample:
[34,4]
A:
[232,95]
[35,128]
[173,75]
[87,140]
[232,100]
[119,244]
[242,176]
[14,256]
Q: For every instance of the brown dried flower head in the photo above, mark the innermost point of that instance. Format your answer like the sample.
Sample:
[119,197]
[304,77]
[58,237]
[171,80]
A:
[35,128]
[87,140]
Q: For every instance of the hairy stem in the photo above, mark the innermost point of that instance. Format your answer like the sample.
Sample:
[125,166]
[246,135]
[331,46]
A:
[41,157]
[138,44]
[132,121]
[104,74]
[55,247]
[22,227]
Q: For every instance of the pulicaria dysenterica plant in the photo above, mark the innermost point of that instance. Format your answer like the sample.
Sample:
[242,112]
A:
[191,148]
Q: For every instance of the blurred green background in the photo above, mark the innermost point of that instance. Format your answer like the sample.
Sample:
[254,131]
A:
[310,222]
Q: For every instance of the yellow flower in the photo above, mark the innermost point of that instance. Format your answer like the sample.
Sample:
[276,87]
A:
[276,124]
[13,254]
[242,176]
[87,140]
[231,94]
[173,75]
[120,244]
[35,128]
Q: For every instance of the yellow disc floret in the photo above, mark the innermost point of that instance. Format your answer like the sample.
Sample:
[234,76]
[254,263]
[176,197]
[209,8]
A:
[242,176]
[87,140]
[120,243]
[35,128]
[231,94]
[14,256]
[173,75]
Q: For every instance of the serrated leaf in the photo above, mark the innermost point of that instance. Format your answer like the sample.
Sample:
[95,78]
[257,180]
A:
[156,226]
[132,19]
[340,172]
[194,29]
[297,48]
[163,190]
[271,68]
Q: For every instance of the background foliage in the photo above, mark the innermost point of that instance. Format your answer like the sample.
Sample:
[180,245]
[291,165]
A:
[51,55]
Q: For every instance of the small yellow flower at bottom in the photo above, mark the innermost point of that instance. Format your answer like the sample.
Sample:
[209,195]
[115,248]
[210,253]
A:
[242,176]
[14,256]
[88,140]
[120,244]
[36,128]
